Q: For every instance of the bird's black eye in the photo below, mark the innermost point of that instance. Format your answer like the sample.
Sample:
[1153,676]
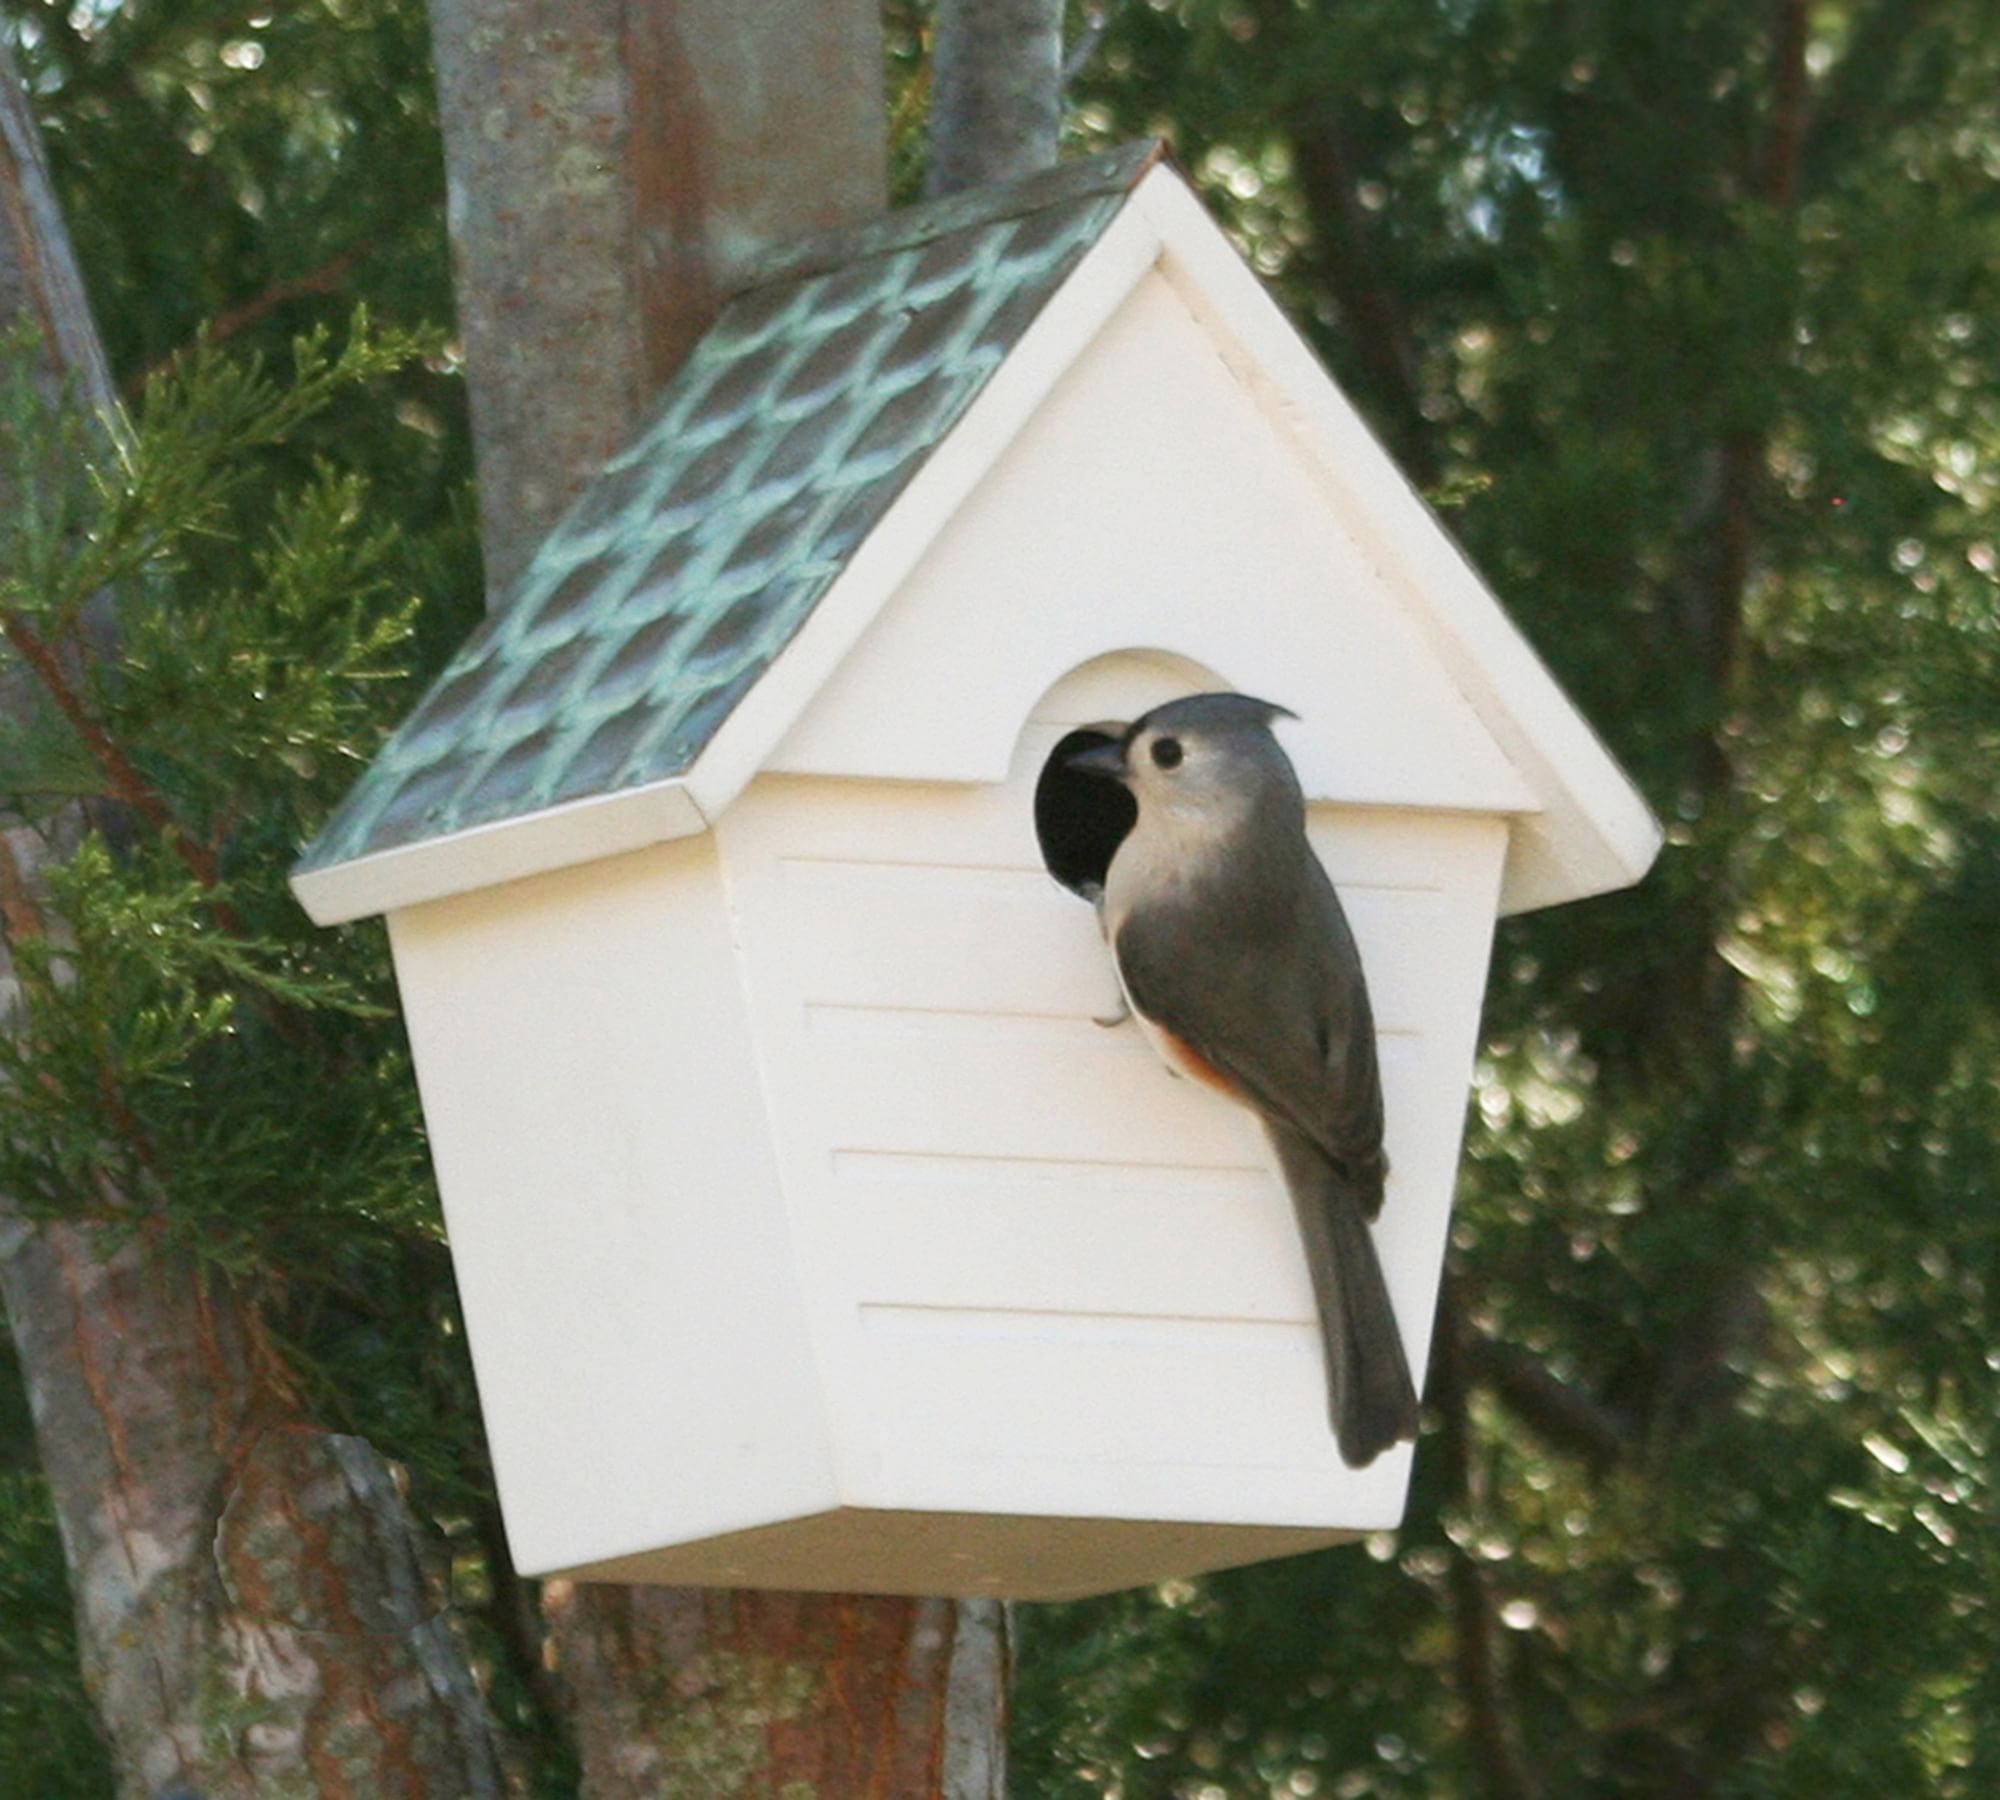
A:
[1166,753]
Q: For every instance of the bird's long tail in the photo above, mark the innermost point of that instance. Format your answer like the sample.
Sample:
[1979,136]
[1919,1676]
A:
[1371,1396]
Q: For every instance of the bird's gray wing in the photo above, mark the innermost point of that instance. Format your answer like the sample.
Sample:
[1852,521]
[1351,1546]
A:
[1285,1017]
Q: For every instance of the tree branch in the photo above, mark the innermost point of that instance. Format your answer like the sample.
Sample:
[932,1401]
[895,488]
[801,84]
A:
[225,325]
[1564,1415]
[1343,249]
[1498,1753]
[130,788]
[1784,153]
[1741,453]
[221,1574]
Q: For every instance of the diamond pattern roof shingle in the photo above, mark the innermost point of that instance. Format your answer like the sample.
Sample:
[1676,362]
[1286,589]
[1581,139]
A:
[697,553]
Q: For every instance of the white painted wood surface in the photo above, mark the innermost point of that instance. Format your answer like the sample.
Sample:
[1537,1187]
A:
[1214,379]
[810,1231]
[1591,831]
[1048,1278]
[1150,503]
[598,1127]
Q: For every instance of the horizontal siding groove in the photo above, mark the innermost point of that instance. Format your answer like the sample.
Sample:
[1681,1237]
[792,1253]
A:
[833,1018]
[889,1019]
[965,1168]
[867,866]
[1042,882]
[889,1318]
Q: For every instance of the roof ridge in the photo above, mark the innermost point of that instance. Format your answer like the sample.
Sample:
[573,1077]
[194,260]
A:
[1108,172]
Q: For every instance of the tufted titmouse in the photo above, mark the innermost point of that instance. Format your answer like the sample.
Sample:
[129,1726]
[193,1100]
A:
[1237,961]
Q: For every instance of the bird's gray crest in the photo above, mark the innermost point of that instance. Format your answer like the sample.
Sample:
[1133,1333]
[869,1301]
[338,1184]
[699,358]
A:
[1222,711]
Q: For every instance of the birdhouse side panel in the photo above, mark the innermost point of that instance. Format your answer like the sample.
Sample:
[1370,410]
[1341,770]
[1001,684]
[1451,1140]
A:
[1046,1276]
[597,1121]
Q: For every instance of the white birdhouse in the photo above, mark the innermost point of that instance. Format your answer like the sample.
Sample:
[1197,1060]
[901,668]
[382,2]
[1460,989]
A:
[811,1233]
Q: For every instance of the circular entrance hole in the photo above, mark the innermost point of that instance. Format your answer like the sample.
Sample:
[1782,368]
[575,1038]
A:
[1080,819]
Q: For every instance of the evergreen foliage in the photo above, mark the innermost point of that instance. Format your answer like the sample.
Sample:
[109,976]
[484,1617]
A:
[176,1030]
[1687,311]
[47,1734]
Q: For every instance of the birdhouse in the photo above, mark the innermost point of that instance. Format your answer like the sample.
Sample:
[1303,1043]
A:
[811,1231]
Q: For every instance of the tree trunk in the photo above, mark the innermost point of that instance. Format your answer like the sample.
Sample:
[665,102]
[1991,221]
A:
[996,93]
[611,162]
[698,1694]
[251,1610]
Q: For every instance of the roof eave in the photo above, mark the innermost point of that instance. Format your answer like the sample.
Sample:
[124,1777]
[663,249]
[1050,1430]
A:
[510,850]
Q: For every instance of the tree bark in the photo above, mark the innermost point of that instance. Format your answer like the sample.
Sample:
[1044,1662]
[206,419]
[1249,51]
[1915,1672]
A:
[251,1610]
[724,1695]
[996,91]
[610,163]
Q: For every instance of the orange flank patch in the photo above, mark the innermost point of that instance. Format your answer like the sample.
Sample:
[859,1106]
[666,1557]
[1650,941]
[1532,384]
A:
[1197,1067]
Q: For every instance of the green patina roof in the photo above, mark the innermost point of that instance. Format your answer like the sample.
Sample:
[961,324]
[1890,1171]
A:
[695,556]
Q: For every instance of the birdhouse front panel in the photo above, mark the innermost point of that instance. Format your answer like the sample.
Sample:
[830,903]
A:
[1047,1276]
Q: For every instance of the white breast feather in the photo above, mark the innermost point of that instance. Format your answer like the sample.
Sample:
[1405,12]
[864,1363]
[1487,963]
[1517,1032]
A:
[1158,858]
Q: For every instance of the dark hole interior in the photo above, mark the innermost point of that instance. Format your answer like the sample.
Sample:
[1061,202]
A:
[1080,820]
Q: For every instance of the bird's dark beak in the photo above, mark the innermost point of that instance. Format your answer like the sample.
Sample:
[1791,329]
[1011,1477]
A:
[1107,760]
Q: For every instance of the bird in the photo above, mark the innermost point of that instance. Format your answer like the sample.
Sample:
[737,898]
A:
[1237,961]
